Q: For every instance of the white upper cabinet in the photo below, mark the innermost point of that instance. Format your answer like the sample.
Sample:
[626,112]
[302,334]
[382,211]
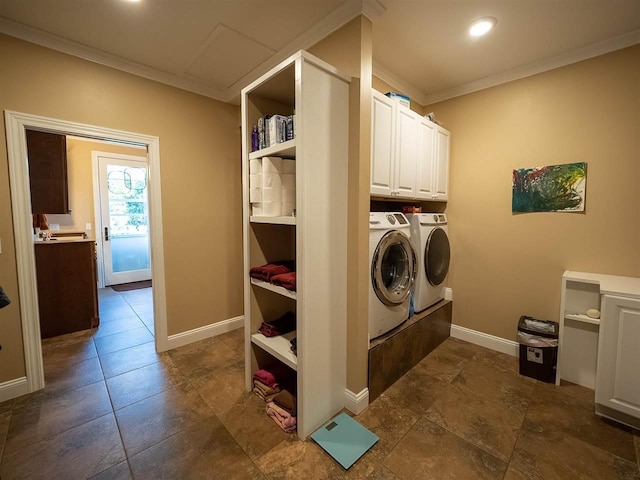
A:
[406,149]
[382,153]
[425,167]
[441,164]
[409,154]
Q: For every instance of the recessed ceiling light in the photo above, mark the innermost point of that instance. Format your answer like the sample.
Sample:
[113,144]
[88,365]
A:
[482,26]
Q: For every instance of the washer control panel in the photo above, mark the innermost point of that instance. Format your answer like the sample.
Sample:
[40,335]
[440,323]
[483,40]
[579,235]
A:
[387,220]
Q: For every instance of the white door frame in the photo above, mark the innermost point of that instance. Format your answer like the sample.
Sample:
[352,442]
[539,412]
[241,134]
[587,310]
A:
[97,209]
[15,124]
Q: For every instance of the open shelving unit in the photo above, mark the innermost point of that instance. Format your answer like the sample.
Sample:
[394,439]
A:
[279,347]
[316,238]
[285,150]
[274,288]
[578,339]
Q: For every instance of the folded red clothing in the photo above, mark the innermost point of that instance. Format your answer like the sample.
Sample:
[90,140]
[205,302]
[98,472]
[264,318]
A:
[285,324]
[266,272]
[286,280]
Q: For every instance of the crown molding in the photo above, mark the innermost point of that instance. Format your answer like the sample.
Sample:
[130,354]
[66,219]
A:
[94,55]
[372,9]
[567,58]
[394,80]
[329,24]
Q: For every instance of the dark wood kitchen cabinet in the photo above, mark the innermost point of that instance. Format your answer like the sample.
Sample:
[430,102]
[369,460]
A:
[67,286]
[47,154]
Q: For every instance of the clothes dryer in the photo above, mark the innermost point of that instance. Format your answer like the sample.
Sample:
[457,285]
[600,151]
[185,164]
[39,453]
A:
[430,240]
[392,271]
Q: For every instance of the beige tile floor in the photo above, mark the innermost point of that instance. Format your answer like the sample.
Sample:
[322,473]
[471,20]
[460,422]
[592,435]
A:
[115,409]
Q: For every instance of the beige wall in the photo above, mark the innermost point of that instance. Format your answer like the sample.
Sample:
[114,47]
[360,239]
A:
[506,265]
[200,168]
[80,175]
[350,50]
[384,87]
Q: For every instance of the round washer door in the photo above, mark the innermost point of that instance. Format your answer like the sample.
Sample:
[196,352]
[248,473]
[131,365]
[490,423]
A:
[437,254]
[393,268]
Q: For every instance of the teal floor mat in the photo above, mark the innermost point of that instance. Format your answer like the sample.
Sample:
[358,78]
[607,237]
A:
[344,439]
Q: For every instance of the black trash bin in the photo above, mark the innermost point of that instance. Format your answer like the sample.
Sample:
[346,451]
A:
[538,348]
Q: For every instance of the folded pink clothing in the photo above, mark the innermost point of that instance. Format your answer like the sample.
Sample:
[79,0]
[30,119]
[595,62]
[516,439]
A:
[273,375]
[266,378]
[282,418]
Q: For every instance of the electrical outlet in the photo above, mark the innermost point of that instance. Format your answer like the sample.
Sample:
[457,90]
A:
[87,226]
[54,227]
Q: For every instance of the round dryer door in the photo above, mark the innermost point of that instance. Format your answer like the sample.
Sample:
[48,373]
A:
[437,254]
[393,268]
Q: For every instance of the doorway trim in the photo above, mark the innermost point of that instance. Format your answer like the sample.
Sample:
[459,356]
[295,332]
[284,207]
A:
[15,125]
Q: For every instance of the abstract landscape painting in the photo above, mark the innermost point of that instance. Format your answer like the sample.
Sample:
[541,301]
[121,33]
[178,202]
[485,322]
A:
[555,188]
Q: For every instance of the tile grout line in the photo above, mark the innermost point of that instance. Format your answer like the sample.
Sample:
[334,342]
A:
[6,435]
[115,418]
[524,418]
[450,383]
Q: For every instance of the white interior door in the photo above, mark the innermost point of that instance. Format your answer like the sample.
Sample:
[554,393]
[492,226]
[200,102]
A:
[124,213]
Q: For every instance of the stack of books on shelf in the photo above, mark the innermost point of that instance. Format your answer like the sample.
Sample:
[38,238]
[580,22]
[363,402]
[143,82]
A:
[272,129]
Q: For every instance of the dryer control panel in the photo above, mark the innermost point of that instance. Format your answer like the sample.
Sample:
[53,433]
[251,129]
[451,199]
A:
[427,219]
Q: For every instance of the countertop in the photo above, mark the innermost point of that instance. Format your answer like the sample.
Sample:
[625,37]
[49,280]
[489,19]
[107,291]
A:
[59,241]
[609,284]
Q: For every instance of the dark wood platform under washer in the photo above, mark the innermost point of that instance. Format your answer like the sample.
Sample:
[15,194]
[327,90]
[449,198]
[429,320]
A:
[396,352]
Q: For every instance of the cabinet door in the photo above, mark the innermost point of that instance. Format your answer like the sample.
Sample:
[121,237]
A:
[617,378]
[425,166]
[381,145]
[406,158]
[67,290]
[441,186]
[47,154]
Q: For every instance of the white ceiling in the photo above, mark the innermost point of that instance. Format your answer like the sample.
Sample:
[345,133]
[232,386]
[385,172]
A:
[216,47]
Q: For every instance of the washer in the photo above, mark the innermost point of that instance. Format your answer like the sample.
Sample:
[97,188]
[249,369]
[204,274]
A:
[393,271]
[430,240]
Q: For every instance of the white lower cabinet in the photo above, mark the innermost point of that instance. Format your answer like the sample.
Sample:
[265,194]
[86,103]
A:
[618,374]
[602,353]
[409,154]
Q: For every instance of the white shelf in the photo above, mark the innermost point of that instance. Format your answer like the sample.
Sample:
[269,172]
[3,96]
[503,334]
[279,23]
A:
[579,317]
[273,288]
[288,220]
[284,149]
[279,347]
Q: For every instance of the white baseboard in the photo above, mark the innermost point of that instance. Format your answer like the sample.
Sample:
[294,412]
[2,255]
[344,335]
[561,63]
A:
[448,294]
[356,402]
[13,388]
[485,340]
[200,333]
